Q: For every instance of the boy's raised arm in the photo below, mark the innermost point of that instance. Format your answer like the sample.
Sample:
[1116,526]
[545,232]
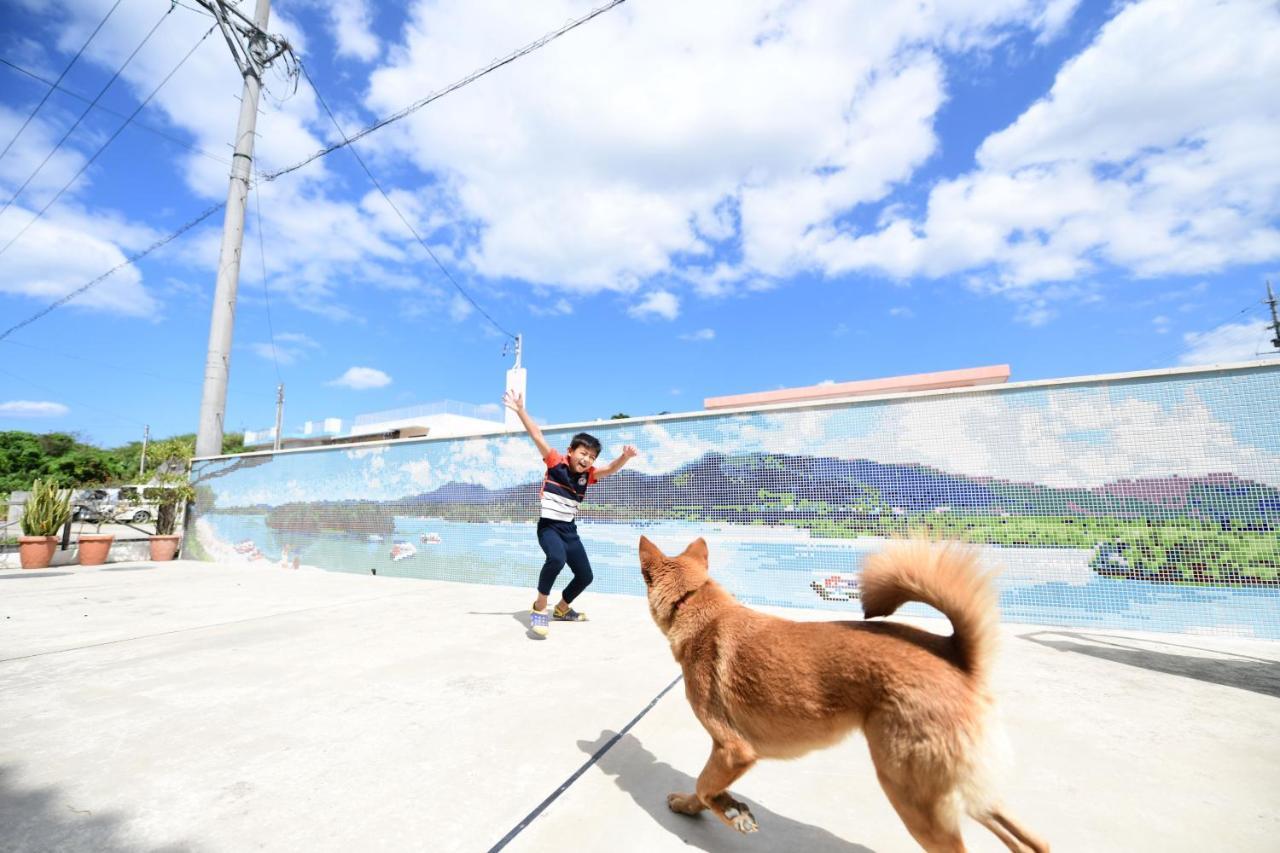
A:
[616,465]
[515,402]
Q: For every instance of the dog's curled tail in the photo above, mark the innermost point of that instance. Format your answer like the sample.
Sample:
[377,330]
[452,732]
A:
[946,577]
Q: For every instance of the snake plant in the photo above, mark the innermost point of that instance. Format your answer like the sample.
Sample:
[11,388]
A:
[47,510]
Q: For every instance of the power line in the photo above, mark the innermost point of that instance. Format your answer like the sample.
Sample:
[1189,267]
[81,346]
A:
[407,224]
[266,292]
[205,214]
[470,78]
[85,100]
[99,363]
[103,146]
[46,389]
[70,130]
[91,37]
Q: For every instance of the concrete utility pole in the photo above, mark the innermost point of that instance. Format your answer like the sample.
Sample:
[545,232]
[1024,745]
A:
[279,413]
[142,463]
[1275,321]
[253,50]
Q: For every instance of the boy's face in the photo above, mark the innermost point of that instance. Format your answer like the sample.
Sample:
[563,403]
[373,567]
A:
[581,458]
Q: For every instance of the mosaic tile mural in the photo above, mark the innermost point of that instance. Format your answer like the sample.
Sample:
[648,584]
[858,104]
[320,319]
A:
[1147,503]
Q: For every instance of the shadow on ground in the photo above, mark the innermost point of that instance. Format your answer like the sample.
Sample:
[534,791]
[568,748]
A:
[40,819]
[29,574]
[521,616]
[648,781]
[1257,675]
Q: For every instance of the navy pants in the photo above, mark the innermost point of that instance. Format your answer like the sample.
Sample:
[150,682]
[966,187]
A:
[560,542]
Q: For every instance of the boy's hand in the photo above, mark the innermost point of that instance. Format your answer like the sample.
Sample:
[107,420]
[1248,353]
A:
[628,452]
[514,401]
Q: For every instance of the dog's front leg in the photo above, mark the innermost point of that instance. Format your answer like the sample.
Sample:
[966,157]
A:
[729,760]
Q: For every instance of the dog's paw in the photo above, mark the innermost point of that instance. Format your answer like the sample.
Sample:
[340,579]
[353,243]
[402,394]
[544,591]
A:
[684,803]
[736,814]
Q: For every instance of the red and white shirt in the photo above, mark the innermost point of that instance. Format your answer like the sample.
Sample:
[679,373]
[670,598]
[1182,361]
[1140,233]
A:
[562,489]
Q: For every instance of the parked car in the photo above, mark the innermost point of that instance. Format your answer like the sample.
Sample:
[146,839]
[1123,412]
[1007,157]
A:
[125,503]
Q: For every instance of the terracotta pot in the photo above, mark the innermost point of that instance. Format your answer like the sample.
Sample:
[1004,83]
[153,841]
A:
[36,552]
[164,547]
[94,548]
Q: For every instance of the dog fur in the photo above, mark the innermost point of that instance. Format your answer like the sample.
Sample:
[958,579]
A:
[767,687]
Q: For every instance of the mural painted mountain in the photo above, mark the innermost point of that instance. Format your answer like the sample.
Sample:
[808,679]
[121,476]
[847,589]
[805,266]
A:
[1214,529]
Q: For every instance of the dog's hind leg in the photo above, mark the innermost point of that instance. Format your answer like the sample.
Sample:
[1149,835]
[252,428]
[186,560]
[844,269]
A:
[729,759]
[925,820]
[1017,838]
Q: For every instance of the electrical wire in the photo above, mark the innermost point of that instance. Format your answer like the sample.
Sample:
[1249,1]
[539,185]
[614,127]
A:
[71,129]
[63,300]
[85,100]
[91,37]
[453,87]
[266,292]
[403,218]
[205,214]
[103,146]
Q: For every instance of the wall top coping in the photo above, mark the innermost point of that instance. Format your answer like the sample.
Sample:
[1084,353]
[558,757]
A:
[823,403]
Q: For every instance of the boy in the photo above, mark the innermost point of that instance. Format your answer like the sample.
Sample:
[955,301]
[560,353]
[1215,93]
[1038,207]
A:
[563,488]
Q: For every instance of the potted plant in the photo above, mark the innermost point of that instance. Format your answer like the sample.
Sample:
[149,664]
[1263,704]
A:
[173,494]
[94,547]
[46,511]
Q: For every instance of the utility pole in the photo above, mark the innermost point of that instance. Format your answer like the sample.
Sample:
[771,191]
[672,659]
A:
[1275,321]
[142,463]
[516,381]
[253,50]
[279,413]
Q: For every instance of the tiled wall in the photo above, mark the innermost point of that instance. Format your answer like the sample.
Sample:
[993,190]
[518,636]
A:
[1147,502]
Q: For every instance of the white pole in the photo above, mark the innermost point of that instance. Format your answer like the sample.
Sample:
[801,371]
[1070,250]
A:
[516,381]
[213,400]
[279,412]
[142,463]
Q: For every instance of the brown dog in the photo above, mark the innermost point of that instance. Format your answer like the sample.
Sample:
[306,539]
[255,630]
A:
[766,687]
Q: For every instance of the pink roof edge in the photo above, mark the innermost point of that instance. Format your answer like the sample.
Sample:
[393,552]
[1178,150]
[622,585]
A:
[965,377]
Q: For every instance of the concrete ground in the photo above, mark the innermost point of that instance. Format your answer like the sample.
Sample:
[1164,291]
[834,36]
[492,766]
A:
[192,706]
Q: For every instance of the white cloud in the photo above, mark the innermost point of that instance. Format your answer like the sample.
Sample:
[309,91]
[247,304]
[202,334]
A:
[1151,153]
[559,307]
[288,347]
[32,409]
[419,472]
[460,309]
[700,335]
[901,311]
[659,303]
[60,254]
[350,23]
[983,435]
[362,378]
[763,122]
[1227,343]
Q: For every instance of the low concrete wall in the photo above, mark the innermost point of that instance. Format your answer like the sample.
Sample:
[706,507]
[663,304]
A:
[122,551]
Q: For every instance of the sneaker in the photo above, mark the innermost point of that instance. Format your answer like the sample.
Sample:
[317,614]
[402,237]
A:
[539,622]
[569,615]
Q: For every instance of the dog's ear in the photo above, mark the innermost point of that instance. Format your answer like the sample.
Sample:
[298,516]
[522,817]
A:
[697,550]
[650,556]
[650,553]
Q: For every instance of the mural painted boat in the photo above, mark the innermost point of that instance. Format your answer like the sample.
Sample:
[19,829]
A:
[839,586]
[402,551]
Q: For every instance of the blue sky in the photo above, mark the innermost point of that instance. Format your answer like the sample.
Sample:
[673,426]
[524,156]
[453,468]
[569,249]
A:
[673,201]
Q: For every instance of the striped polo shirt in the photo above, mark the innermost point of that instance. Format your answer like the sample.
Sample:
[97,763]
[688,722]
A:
[562,490]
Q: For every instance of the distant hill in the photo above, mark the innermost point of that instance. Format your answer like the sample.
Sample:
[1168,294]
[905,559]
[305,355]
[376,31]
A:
[768,485]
